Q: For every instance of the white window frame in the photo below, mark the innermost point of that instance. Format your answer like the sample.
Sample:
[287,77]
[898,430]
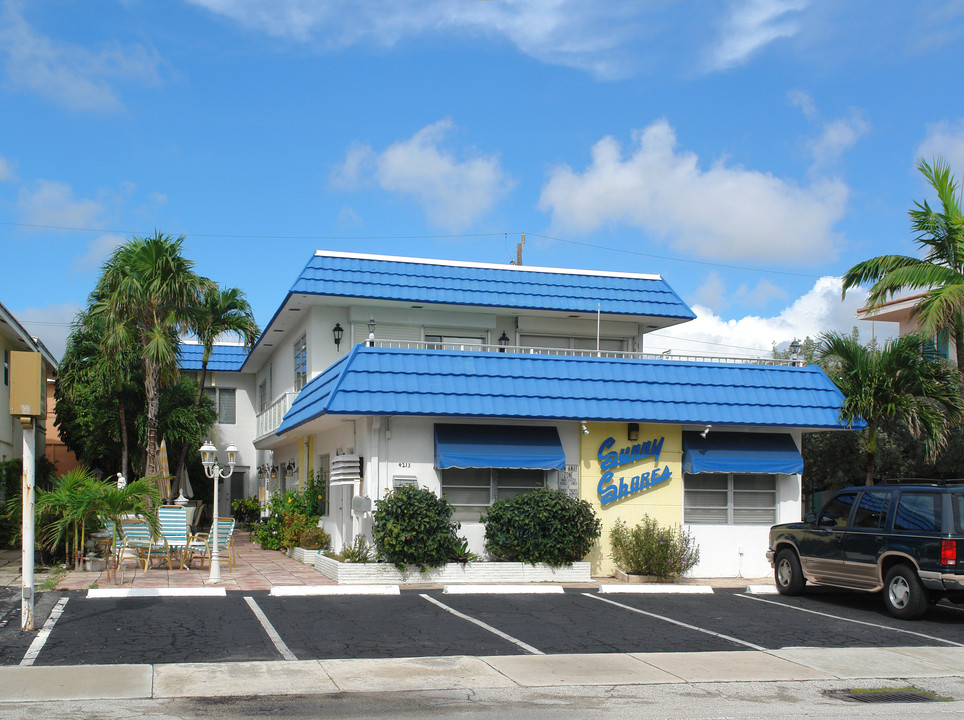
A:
[731,496]
[301,352]
[493,486]
[215,394]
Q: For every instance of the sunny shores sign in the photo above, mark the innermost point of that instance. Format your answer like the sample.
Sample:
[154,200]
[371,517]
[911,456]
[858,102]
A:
[609,488]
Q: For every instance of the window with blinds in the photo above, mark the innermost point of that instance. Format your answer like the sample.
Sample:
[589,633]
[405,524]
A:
[471,490]
[729,499]
[225,401]
[571,343]
[301,363]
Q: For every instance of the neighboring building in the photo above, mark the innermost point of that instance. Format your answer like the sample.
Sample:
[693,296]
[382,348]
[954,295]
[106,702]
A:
[14,338]
[57,452]
[901,311]
[483,381]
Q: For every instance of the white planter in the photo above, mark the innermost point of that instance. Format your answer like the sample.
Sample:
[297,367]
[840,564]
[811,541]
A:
[303,556]
[473,572]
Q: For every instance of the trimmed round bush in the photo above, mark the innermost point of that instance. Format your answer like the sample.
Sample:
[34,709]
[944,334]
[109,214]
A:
[544,526]
[650,549]
[413,526]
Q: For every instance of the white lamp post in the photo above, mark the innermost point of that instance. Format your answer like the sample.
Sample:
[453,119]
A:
[209,459]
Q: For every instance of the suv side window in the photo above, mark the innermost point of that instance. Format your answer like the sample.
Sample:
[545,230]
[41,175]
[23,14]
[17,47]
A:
[918,512]
[836,512]
[957,505]
[872,511]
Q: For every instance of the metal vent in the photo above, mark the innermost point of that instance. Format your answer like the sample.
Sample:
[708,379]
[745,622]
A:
[884,695]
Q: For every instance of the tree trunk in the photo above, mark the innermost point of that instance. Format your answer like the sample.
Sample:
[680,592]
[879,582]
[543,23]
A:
[123,430]
[871,468]
[152,381]
[176,485]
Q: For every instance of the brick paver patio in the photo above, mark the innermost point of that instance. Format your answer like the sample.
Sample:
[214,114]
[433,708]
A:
[256,569]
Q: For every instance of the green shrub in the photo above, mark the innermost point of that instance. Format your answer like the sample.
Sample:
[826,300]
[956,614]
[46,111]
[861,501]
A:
[413,526]
[294,525]
[360,551]
[247,512]
[314,539]
[648,549]
[544,526]
[275,532]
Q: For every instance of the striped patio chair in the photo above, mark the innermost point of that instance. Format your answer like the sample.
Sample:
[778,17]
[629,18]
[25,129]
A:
[138,538]
[225,541]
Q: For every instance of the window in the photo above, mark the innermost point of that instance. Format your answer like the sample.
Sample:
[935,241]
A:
[729,499]
[301,363]
[572,343]
[225,402]
[872,511]
[263,396]
[836,513]
[449,342]
[918,512]
[471,490]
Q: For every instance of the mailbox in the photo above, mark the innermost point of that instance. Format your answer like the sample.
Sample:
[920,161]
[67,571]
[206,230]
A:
[28,385]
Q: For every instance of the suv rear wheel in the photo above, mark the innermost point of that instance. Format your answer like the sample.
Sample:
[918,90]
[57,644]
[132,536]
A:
[787,573]
[904,596]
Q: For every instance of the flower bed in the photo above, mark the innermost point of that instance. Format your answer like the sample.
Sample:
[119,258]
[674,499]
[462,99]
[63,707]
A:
[473,572]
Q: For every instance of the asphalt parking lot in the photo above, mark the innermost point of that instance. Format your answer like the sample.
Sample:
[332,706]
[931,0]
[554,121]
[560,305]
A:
[256,626]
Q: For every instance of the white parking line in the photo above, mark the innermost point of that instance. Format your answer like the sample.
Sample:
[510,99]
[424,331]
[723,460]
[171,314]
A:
[515,641]
[675,622]
[502,589]
[269,629]
[38,642]
[851,620]
[306,590]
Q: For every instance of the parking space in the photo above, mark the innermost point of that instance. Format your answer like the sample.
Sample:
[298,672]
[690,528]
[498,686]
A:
[256,626]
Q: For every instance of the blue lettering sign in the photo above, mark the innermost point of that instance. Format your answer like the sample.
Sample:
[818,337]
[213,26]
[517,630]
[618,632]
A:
[611,489]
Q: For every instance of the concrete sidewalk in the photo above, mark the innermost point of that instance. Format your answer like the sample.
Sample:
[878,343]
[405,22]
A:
[321,677]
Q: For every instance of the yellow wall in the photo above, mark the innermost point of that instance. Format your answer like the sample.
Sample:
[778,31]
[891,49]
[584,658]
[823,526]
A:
[663,501]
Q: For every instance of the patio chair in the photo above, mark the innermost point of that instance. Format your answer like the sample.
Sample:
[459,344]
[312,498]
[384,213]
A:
[138,537]
[174,529]
[225,540]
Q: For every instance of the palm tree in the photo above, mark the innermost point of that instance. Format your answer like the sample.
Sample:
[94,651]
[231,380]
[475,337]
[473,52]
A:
[145,294]
[221,311]
[903,382]
[940,272]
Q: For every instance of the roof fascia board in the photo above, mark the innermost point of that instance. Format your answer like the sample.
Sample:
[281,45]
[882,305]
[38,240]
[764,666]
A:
[485,266]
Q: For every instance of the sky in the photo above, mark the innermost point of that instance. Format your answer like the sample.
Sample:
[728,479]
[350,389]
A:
[749,151]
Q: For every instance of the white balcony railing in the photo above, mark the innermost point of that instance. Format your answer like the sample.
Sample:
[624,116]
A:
[270,419]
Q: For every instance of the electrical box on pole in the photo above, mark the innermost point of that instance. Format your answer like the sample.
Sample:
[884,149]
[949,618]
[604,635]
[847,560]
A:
[28,401]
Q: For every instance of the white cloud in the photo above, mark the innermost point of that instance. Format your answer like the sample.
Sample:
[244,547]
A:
[51,324]
[68,75]
[6,170]
[53,204]
[817,311]
[453,193]
[722,212]
[600,37]
[97,252]
[836,136]
[751,26]
[945,139]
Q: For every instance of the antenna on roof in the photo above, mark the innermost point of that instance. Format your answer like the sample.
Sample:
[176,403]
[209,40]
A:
[518,251]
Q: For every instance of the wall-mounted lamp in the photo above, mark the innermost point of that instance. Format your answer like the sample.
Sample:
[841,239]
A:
[585,430]
[503,341]
[289,468]
[706,431]
[632,431]
[371,331]
[337,331]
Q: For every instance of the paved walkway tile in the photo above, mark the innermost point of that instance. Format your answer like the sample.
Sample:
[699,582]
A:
[430,673]
[740,665]
[862,662]
[256,569]
[588,669]
[241,678]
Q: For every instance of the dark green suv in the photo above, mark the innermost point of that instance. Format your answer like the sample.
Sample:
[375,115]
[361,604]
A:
[902,538]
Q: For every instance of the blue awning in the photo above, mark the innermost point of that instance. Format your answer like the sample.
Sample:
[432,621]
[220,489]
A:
[498,446]
[726,452]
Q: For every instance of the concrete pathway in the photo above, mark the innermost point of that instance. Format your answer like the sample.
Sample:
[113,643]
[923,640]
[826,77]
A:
[320,677]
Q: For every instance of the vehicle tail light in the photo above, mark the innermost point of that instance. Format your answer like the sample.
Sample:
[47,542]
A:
[948,552]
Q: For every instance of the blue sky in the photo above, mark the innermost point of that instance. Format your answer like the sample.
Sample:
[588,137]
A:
[750,151]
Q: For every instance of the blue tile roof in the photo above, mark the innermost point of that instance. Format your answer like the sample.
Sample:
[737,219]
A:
[385,381]
[224,358]
[428,281]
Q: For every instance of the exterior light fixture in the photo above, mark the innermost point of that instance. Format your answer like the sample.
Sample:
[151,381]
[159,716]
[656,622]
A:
[209,459]
[706,431]
[371,331]
[337,331]
[503,341]
[585,430]
[632,431]
[795,350]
